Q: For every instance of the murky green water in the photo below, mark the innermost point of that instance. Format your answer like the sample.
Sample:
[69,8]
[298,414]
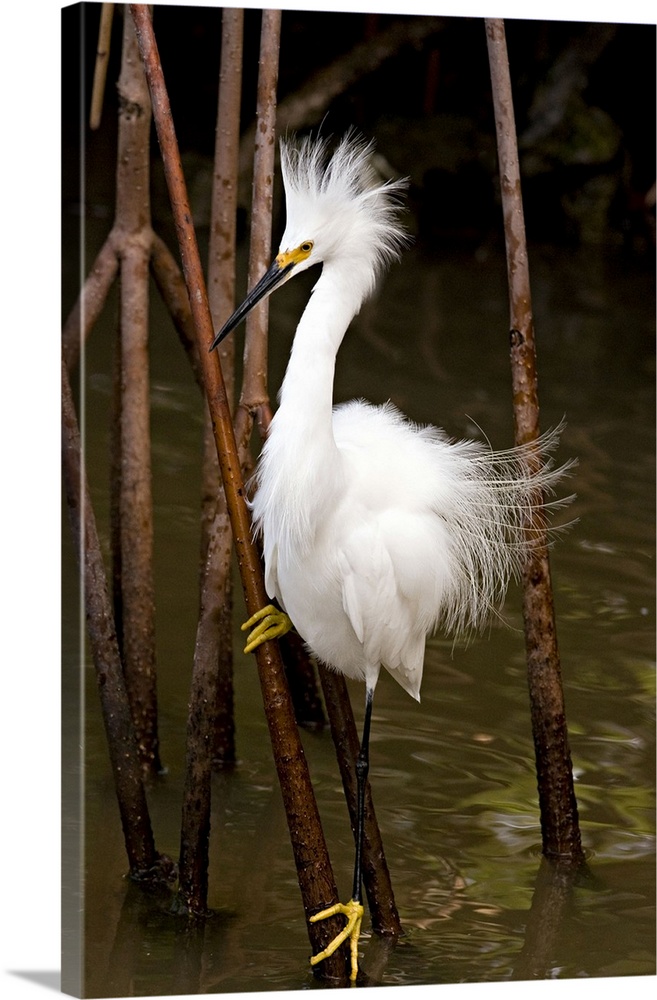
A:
[453,778]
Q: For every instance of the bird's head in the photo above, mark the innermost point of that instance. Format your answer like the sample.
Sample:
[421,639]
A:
[338,212]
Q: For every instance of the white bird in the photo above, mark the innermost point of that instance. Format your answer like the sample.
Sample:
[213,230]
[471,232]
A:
[375,531]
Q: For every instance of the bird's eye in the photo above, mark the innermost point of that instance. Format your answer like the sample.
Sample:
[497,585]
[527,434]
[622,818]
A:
[306,247]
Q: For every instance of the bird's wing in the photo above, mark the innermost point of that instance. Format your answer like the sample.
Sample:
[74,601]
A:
[379,613]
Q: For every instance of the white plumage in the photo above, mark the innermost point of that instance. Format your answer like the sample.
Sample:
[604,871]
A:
[375,531]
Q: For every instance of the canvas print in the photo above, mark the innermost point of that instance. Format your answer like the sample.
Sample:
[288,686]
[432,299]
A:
[358,463]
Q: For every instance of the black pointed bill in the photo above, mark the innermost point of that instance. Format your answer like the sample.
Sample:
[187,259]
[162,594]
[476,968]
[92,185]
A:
[276,274]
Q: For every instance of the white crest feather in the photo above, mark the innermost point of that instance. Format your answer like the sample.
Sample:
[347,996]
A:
[338,200]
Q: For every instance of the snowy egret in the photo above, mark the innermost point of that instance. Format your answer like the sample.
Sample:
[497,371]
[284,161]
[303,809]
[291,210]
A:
[375,531]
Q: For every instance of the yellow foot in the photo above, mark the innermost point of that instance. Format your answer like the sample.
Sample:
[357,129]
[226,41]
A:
[273,623]
[353,911]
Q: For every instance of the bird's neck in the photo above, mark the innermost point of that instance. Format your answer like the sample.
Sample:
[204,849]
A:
[306,397]
[301,471]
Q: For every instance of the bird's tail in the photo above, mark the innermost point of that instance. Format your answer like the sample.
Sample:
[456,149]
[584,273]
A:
[501,504]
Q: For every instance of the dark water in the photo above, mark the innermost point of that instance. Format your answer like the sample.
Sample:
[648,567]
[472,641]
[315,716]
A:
[453,778]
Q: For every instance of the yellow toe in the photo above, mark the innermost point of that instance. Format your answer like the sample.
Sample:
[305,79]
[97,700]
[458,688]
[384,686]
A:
[353,911]
[272,624]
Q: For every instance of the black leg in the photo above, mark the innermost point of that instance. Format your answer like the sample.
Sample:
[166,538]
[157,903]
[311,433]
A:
[362,769]
[353,910]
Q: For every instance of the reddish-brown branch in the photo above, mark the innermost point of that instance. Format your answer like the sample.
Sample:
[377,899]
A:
[210,728]
[128,250]
[558,805]
[254,383]
[144,861]
[216,535]
[135,517]
[135,510]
